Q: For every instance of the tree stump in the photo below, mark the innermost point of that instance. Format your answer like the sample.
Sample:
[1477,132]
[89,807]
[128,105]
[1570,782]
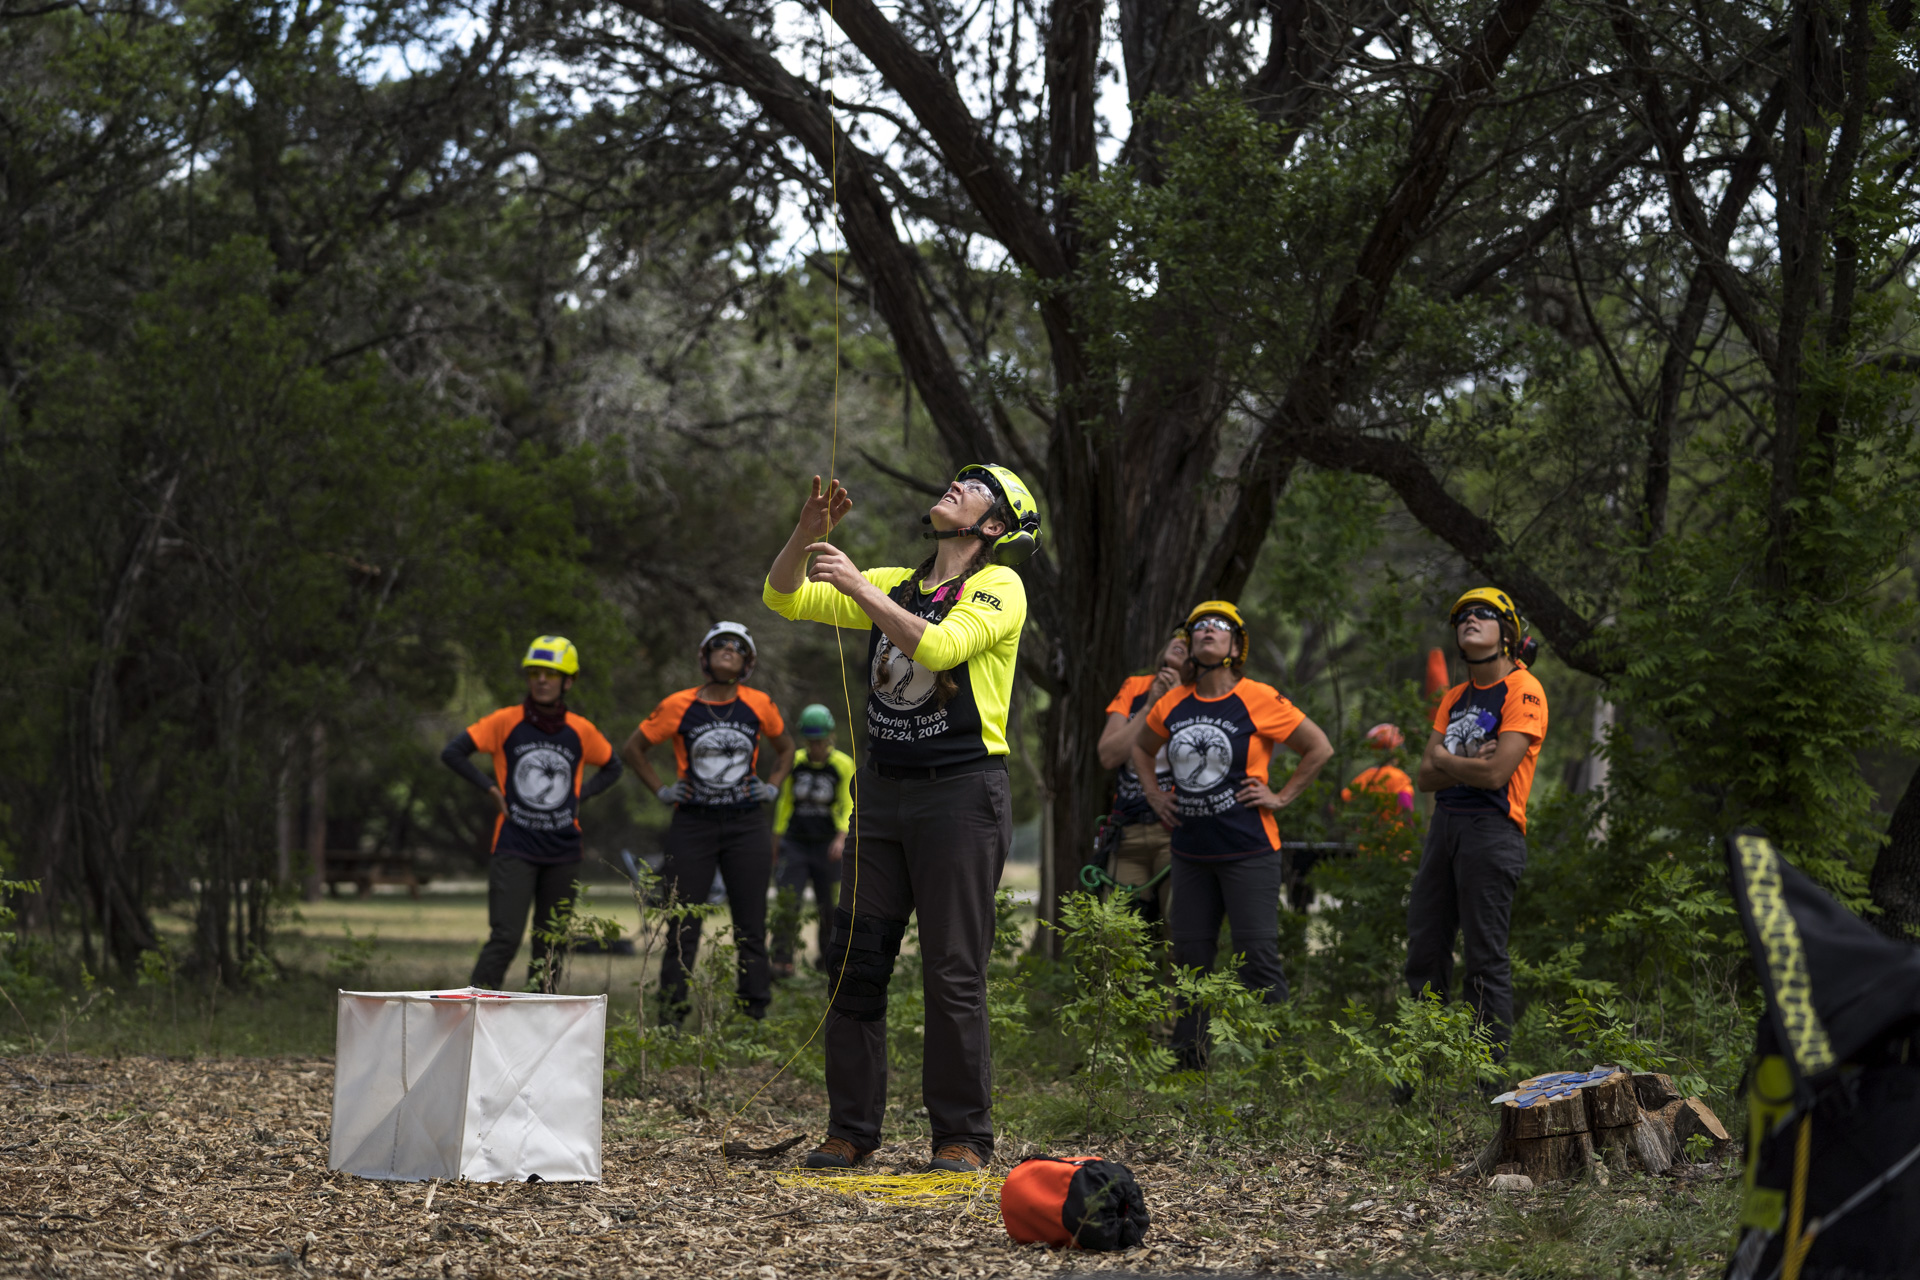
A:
[1551,1141]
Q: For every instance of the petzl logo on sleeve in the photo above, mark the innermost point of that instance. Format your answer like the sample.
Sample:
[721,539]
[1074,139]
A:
[987,599]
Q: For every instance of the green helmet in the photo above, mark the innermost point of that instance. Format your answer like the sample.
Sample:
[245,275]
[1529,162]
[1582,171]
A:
[1023,539]
[816,722]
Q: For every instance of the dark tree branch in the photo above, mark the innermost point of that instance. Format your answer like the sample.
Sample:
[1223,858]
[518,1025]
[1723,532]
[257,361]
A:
[1474,537]
[1325,375]
[1688,213]
[1306,42]
[866,217]
[1742,178]
[1526,239]
[912,482]
[937,106]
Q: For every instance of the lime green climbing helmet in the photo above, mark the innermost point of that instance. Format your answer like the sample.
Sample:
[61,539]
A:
[816,722]
[554,652]
[1023,538]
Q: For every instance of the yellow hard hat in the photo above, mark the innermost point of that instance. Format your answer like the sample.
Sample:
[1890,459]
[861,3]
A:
[554,652]
[1220,609]
[1511,628]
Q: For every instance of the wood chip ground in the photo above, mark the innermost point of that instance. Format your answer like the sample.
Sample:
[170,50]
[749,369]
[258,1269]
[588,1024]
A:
[142,1167]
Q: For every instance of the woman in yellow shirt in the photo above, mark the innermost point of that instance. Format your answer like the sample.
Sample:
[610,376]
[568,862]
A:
[932,801]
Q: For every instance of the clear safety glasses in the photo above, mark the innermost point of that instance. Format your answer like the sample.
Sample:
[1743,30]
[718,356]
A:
[978,488]
[1213,624]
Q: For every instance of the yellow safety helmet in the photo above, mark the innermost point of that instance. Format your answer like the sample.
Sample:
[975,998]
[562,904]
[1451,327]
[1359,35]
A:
[1514,642]
[1220,609]
[1023,539]
[555,652]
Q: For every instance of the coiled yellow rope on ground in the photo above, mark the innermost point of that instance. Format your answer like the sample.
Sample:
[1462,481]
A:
[894,1188]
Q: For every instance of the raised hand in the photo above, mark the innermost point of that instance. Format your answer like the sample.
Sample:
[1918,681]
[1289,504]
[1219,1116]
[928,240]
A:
[824,508]
[1163,680]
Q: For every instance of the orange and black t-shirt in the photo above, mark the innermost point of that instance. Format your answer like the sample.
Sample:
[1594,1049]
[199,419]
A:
[539,774]
[1214,745]
[1129,801]
[715,744]
[1470,714]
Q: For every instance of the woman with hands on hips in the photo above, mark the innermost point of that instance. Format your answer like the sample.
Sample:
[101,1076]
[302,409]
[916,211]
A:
[1219,730]
[720,821]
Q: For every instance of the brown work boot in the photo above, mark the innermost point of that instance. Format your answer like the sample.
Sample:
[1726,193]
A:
[836,1153]
[956,1157]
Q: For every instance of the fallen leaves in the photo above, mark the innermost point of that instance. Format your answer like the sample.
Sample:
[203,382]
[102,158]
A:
[146,1167]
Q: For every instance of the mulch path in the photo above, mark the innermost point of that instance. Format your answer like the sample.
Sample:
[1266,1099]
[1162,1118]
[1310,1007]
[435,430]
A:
[216,1168]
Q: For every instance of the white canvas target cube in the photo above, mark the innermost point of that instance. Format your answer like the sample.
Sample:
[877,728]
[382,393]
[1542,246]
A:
[487,1085]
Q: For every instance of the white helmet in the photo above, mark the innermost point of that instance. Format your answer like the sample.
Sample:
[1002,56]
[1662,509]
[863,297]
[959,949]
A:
[738,630]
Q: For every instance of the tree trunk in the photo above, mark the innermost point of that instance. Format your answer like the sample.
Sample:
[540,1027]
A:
[1895,884]
[317,815]
[286,816]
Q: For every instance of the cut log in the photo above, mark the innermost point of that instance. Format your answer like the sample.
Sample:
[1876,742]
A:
[1613,1103]
[1655,1090]
[1694,1116]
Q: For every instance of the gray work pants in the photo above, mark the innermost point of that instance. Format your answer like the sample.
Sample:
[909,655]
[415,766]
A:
[935,847]
[1246,894]
[1465,884]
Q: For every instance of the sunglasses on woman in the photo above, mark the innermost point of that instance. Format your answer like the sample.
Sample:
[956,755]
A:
[1213,624]
[1486,613]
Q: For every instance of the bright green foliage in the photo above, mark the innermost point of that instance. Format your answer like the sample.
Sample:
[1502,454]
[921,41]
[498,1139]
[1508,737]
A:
[1118,1001]
[1437,1049]
[570,928]
[1764,699]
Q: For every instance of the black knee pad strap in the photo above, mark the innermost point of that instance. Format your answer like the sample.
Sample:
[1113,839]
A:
[859,957]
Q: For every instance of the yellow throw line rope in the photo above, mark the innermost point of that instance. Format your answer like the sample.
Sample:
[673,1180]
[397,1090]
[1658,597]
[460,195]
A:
[892,1188]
